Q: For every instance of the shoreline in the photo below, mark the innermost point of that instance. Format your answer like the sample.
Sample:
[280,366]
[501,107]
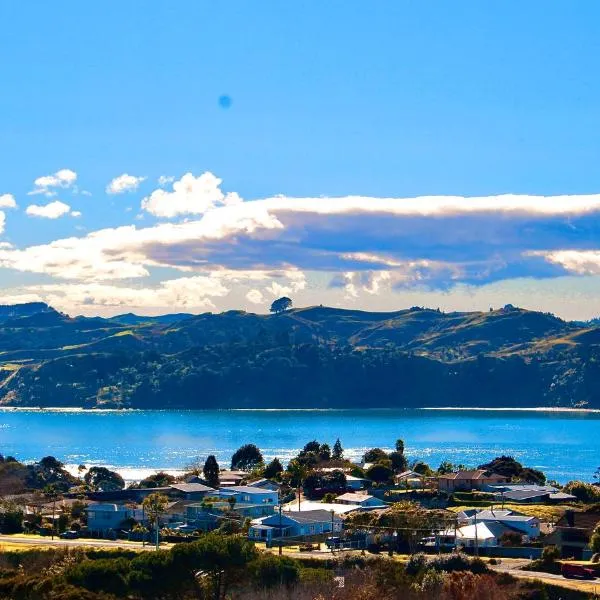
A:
[535,409]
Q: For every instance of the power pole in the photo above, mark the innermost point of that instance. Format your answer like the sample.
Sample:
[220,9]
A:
[332,542]
[476,538]
[280,532]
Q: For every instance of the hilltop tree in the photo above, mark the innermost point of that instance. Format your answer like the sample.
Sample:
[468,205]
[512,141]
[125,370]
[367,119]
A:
[273,469]
[246,458]
[102,479]
[211,471]
[338,451]
[160,479]
[281,305]
[399,462]
[400,446]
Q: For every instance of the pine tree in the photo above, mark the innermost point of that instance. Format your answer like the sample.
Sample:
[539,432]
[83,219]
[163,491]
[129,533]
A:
[211,471]
[338,451]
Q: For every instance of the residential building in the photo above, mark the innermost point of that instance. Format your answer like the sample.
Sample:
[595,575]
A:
[526,525]
[356,483]
[191,491]
[362,500]
[266,484]
[310,505]
[246,494]
[297,525]
[573,532]
[477,479]
[409,479]
[104,518]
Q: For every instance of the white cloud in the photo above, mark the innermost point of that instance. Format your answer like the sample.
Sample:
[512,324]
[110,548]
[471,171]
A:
[52,210]
[76,213]
[255,296]
[64,178]
[7,201]
[124,183]
[165,179]
[579,262]
[190,195]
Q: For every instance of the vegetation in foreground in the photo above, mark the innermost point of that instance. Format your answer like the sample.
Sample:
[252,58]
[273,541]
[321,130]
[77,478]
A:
[218,567]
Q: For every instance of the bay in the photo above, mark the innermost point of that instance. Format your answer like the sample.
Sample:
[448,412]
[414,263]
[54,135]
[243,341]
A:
[565,445]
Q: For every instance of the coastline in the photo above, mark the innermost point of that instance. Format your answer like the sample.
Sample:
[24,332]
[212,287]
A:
[62,409]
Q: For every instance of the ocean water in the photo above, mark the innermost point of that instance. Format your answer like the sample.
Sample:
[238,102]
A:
[565,445]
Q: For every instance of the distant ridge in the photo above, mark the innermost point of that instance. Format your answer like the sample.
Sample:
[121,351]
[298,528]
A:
[306,357]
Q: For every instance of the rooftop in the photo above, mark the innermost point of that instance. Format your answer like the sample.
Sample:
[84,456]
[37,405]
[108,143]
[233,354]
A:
[188,488]
[470,475]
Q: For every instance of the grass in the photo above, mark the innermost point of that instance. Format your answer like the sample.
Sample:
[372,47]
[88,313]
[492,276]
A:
[544,512]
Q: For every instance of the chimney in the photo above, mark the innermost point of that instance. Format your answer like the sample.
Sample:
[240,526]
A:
[570,518]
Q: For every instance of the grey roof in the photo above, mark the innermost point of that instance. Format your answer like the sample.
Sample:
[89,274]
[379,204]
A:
[247,489]
[519,487]
[188,488]
[311,516]
[499,515]
[562,496]
[524,494]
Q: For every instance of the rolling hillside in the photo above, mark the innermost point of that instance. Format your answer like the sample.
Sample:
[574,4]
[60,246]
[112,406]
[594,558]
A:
[308,357]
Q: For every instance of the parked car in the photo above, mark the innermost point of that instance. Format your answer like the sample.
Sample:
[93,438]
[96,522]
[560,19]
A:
[569,570]
[69,535]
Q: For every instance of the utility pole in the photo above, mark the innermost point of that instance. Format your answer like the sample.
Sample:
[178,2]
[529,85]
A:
[476,538]
[332,542]
[280,531]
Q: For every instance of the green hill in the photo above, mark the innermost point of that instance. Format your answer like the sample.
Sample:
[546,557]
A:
[307,357]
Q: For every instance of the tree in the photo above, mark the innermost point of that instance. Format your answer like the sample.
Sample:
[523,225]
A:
[281,305]
[584,492]
[375,455]
[155,505]
[325,452]
[338,451]
[595,540]
[379,473]
[399,446]
[422,468]
[223,559]
[52,493]
[211,471]
[246,458]
[445,468]
[273,469]
[399,462]
[157,480]
[101,478]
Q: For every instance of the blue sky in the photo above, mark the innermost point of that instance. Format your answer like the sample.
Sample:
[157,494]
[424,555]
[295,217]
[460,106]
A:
[328,101]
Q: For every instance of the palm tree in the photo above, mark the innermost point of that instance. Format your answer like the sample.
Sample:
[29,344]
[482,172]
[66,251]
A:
[52,492]
[155,505]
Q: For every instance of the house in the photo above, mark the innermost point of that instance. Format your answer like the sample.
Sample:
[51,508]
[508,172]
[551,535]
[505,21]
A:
[527,493]
[191,491]
[230,477]
[266,484]
[246,494]
[104,518]
[481,535]
[356,483]
[573,532]
[362,500]
[524,524]
[309,505]
[298,525]
[409,479]
[477,479]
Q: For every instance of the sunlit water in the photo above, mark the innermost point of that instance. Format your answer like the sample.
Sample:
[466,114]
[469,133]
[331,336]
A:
[563,445]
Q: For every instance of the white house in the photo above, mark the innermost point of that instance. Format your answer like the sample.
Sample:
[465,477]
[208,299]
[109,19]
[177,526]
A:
[362,500]
[294,525]
[524,524]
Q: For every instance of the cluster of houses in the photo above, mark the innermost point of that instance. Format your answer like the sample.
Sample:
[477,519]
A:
[193,506]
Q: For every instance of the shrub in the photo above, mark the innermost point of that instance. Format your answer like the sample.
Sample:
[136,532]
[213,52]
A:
[416,564]
[458,562]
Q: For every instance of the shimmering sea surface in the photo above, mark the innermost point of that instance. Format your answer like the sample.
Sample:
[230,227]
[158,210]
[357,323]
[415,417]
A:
[565,445]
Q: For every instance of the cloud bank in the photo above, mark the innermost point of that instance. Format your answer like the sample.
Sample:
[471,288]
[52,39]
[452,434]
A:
[212,243]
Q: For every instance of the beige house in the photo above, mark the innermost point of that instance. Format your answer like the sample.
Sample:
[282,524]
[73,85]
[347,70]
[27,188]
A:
[469,480]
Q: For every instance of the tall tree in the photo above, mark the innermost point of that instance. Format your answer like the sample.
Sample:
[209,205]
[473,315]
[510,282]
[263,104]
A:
[101,478]
[400,446]
[281,305]
[155,506]
[338,451]
[273,469]
[211,471]
[246,458]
